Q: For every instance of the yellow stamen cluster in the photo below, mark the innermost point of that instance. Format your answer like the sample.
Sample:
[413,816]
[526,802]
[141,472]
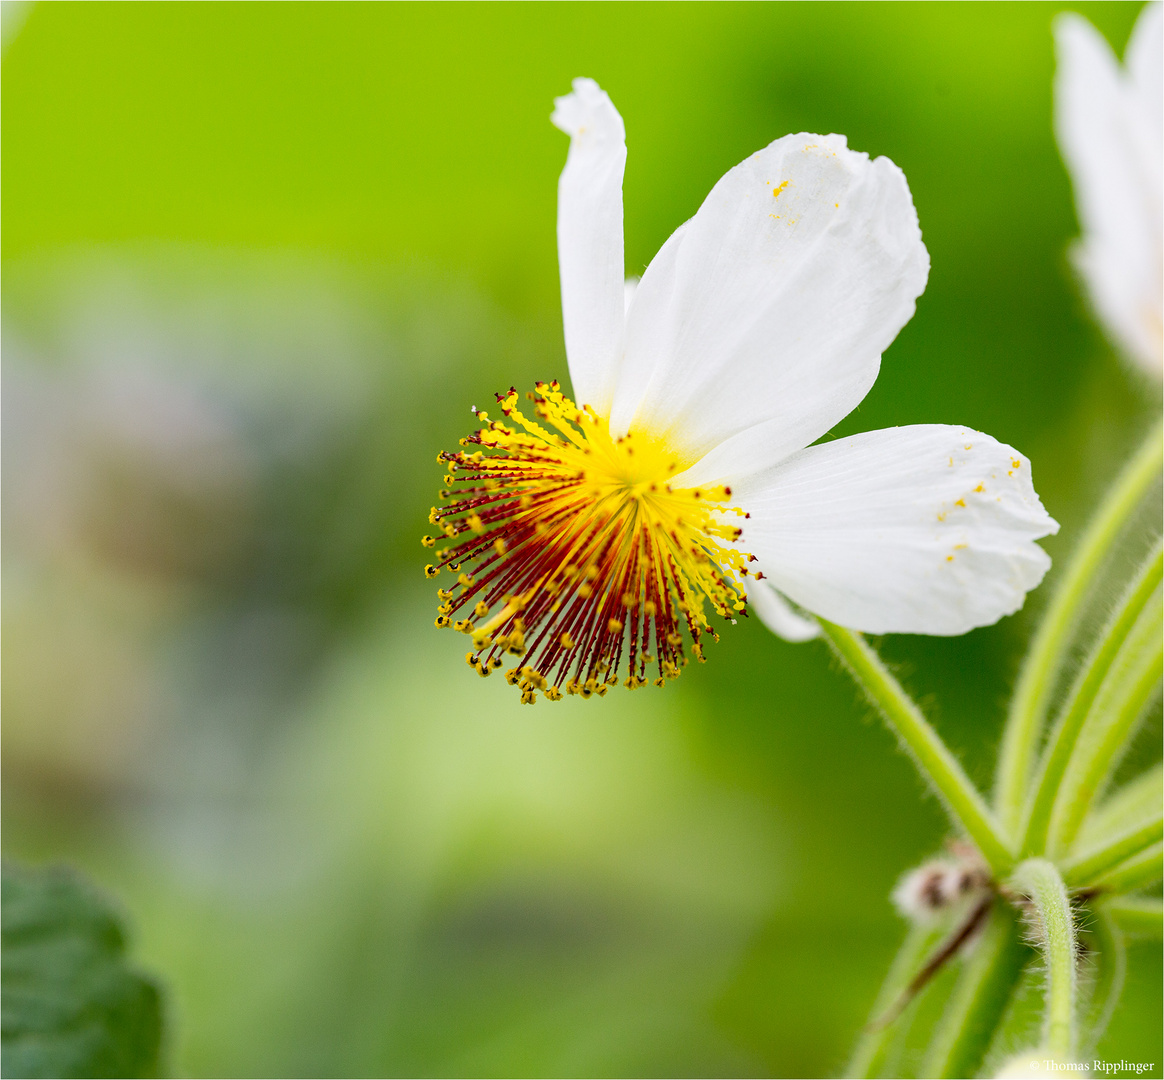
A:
[578,553]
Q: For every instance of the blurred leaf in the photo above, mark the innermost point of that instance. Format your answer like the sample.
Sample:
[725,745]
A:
[72,1007]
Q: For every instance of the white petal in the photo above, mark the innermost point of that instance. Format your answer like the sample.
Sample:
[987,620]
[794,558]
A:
[590,257]
[1111,139]
[924,530]
[763,319]
[1145,62]
[776,613]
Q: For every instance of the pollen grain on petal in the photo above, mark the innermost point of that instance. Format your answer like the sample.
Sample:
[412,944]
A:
[579,557]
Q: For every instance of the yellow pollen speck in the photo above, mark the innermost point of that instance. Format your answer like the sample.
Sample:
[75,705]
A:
[1015,463]
[776,190]
[961,503]
[949,558]
[980,488]
[959,547]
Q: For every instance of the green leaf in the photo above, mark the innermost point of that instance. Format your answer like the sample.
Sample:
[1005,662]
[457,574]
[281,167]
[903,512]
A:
[71,1005]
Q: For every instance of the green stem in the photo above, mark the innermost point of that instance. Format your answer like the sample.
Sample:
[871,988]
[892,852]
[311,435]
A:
[1138,872]
[1040,881]
[1087,686]
[1037,675]
[985,983]
[1130,683]
[931,756]
[876,1036]
[1137,801]
[1085,868]
[1138,916]
[1111,964]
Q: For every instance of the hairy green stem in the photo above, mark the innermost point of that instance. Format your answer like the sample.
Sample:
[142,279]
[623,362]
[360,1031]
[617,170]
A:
[876,1035]
[1087,686]
[985,983]
[931,756]
[1110,969]
[1138,872]
[1138,801]
[1040,881]
[1138,916]
[1130,683]
[1089,866]
[1037,676]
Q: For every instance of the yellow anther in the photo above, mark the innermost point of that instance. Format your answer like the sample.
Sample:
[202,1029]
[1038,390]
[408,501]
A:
[428,541]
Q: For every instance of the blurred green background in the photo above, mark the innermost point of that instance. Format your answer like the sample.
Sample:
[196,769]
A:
[259,260]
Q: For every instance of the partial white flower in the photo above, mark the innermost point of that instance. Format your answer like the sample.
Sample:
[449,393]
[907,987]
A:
[1110,128]
[685,474]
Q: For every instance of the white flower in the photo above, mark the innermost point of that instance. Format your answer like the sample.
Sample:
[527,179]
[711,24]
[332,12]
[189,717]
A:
[1110,127]
[684,477]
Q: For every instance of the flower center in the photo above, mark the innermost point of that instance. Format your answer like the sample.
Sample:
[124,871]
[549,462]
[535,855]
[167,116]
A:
[573,551]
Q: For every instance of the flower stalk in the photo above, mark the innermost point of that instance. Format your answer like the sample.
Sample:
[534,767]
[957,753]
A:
[1040,882]
[933,759]
[1053,638]
[1135,873]
[1137,801]
[1091,679]
[1126,690]
[1092,865]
